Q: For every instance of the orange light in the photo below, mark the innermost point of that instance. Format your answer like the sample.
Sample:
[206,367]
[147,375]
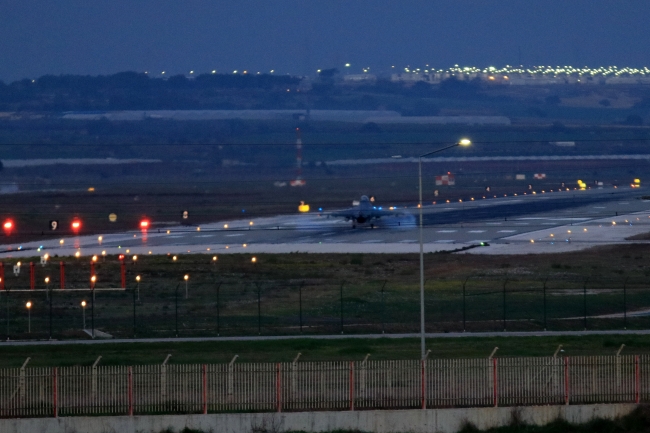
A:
[144,224]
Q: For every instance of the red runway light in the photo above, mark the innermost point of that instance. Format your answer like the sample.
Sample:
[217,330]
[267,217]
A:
[76,225]
[8,225]
[121,257]
[144,224]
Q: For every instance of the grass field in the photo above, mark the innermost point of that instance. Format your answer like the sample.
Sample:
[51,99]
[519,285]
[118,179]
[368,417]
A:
[315,350]
[295,294]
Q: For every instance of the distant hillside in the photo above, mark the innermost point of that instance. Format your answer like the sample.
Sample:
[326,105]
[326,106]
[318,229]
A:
[569,103]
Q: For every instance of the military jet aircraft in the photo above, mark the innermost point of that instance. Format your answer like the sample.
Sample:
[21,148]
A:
[363,213]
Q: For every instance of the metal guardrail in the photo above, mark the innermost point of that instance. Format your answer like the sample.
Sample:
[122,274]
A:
[309,386]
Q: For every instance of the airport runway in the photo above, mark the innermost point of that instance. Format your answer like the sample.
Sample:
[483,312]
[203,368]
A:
[531,223]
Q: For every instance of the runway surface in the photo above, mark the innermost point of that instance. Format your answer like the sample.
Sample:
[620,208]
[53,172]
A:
[536,222]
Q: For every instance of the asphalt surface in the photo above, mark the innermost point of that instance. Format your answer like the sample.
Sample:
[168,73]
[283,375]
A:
[499,221]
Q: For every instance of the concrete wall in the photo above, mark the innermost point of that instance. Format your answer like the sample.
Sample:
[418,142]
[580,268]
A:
[379,421]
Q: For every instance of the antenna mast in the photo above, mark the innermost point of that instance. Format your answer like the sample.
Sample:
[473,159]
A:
[298,181]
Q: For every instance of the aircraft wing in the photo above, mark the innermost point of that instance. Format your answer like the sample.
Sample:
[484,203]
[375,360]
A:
[345,213]
[355,213]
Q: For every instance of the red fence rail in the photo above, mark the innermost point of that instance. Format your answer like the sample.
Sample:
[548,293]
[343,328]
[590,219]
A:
[302,386]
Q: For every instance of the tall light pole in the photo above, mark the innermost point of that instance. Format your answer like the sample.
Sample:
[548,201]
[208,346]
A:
[93,279]
[83,313]
[462,142]
[49,297]
[28,305]
[186,277]
[137,278]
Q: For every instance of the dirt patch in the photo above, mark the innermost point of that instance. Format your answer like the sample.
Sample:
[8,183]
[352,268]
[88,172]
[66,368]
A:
[639,237]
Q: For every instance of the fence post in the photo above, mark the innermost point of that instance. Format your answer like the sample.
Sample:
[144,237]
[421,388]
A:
[544,295]
[62,275]
[94,378]
[423,382]
[278,388]
[383,308]
[176,306]
[351,385]
[584,301]
[134,324]
[300,304]
[55,392]
[495,383]
[342,306]
[123,273]
[205,389]
[464,306]
[231,376]
[625,304]
[637,380]
[50,294]
[22,381]
[504,304]
[566,380]
[130,390]
[218,317]
[259,309]
[32,276]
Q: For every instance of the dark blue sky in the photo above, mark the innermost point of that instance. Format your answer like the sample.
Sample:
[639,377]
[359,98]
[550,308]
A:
[98,37]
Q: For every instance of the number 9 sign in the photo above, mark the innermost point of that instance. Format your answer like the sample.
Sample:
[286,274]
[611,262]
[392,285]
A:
[54,225]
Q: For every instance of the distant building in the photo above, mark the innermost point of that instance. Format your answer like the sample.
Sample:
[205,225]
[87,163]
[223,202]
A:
[442,120]
[359,78]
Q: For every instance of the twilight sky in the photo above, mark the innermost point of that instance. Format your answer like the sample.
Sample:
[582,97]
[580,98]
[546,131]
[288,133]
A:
[40,37]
